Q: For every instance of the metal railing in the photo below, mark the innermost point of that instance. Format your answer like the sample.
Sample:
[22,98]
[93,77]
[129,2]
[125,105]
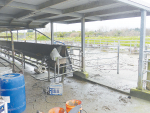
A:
[96,61]
[145,67]
[131,46]
[18,55]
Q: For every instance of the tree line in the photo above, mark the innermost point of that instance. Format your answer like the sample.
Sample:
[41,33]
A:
[96,33]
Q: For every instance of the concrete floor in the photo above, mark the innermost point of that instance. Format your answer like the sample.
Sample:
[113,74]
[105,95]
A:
[95,98]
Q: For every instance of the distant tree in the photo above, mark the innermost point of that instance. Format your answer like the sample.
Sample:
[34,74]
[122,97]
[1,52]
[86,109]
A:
[29,30]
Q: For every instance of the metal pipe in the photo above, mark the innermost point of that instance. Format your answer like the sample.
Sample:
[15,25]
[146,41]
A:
[48,74]
[35,36]
[142,47]
[13,60]
[52,33]
[24,61]
[83,42]
[6,35]
[17,35]
[118,59]
[55,73]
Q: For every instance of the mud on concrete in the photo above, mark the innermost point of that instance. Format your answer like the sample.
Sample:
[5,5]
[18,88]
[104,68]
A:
[95,98]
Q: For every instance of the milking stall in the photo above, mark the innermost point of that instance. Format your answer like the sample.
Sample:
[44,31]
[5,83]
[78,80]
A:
[53,77]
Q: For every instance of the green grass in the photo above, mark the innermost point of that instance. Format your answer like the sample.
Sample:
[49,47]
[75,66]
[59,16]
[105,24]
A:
[107,40]
[88,40]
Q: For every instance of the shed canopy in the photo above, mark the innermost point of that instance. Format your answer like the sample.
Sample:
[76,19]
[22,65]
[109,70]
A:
[28,14]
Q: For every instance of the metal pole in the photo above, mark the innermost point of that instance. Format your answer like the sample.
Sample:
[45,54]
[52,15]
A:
[13,60]
[6,35]
[55,73]
[24,61]
[100,44]
[52,33]
[83,42]
[142,47]
[118,58]
[35,36]
[17,35]
[130,47]
[48,73]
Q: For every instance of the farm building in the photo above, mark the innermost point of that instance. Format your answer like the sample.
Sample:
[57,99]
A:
[55,77]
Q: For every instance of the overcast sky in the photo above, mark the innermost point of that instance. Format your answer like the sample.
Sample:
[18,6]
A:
[104,25]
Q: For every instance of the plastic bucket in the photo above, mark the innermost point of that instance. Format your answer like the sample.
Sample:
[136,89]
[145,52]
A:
[71,104]
[56,110]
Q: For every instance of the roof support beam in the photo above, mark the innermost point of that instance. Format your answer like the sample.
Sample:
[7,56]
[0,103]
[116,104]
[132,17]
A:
[52,33]
[142,48]
[108,12]
[127,15]
[83,42]
[39,8]
[6,2]
[61,19]
[44,16]
[104,4]
[137,3]
[50,3]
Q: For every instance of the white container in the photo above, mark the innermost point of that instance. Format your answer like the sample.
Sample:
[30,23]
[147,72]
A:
[3,107]
[56,89]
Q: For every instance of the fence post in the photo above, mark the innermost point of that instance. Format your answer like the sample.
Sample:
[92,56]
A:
[130,47]
[100,44]
[118,58]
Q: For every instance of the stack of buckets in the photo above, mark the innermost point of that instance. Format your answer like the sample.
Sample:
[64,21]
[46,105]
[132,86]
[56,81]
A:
[69,105]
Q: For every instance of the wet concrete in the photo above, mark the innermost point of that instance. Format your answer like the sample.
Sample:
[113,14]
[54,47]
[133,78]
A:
[107,74]
[95,98]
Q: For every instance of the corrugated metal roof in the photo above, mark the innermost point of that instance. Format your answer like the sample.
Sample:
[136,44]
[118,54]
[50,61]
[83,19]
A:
[37,13]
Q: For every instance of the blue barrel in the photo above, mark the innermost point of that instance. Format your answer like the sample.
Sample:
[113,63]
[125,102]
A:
[13,85]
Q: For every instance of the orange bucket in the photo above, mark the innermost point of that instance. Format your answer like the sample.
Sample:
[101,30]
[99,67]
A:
[71,104]
[56,110]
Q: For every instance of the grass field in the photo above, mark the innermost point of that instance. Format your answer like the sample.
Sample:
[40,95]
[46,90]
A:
[124,41]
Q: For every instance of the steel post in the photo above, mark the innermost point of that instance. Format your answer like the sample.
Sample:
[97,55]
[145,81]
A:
[48,74]
[118,59]
[6,35]
[55,73]
[17,35]
[52,33]
[35,36]
[13,60]
[130,47]
[24,61]
[142,47]
[83,42]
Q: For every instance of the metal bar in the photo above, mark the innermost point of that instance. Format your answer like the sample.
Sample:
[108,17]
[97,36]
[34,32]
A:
[6,35]
[142,47]
[58,65]
[35,36]
[13,60]
[48,74]
[65,65]
[118,60]
[101,65]
[52,33]
[55,73]
[24,61]
[83,42]
[17,35]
